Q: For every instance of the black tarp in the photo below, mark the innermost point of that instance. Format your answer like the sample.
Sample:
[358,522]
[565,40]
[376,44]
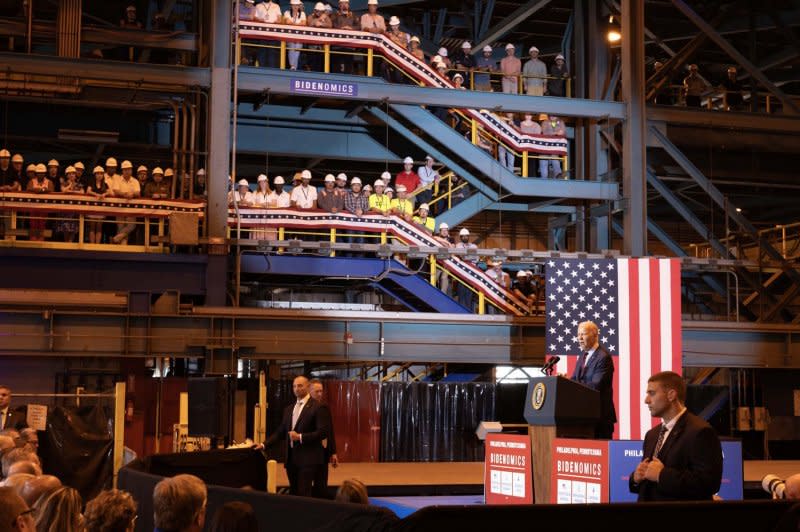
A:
[234,468]
[434,421]
[77,447]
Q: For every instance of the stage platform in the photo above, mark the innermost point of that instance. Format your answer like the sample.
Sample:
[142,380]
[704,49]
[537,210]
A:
[386,479]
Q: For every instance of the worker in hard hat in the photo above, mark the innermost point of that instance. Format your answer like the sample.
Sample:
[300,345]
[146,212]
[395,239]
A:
[142,176]
[402,206]
[127,187]
[379,202]
[279,198]
[464,293]
[428,223]
[199,185]
[67,225]
[10,172]
[53,174]
[97,187]
[40,184]
[242,195]
[158,188]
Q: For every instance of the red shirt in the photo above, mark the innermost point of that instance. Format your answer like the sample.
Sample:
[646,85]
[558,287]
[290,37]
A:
[409,179]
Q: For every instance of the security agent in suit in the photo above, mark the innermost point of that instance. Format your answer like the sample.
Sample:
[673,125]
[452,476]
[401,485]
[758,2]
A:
[595,369]
[303,427]
[321,478]
[682,456]
[11,419]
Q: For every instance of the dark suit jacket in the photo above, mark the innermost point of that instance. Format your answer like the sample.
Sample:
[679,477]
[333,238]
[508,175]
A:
[314,424]
[692,457]
[17,418]
[599,375]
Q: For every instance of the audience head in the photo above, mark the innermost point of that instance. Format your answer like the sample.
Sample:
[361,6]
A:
[279,182]
[463,235]
[559,60]
[17,481]
[341,180]
[17,455]
[234,517]
[444,229]
[534,52]
[389,192]
[60,511]
[355,185]
[14,512]
[5,396]
[29,438]
[262,183]
[316,389]
[666,394]
[6,442]
[379,186]
[793,487]
[111,166]
[39,487]
[25,466]
[487,51]
[510,49]
[330,181]
[372,6]
[352,490]
[401,192]
[300,386]
[408,164]
[179,504]
[111,511]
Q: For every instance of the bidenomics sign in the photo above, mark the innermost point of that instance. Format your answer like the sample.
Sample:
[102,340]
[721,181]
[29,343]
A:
[323,87]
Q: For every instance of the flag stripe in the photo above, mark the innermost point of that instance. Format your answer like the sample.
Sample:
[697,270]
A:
[657,311]
[644,325]
[623,393]
[666,314]
[675,292]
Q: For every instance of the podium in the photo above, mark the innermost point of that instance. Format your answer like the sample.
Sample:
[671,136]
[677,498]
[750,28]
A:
[556,407]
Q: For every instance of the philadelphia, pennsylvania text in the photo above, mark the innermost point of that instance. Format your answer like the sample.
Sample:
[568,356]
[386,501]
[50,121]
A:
[323,88]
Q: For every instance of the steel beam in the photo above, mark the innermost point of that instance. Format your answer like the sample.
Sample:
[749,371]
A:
[488,11]
[180,77]
[752,69]
[633,130]
[256,80]
[513,20]
[739,121]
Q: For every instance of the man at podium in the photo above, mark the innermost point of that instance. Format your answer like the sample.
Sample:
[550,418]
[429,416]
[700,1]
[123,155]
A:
[595,369]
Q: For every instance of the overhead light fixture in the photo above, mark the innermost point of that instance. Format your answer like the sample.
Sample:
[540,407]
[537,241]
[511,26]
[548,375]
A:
[614,36]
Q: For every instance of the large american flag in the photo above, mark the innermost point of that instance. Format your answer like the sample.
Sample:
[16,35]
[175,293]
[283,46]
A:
[636,305]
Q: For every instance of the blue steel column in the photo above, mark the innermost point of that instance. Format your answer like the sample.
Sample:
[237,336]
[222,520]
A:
[219,148]
[633,130]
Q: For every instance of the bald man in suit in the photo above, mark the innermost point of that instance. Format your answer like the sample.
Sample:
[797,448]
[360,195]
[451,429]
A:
[595,369]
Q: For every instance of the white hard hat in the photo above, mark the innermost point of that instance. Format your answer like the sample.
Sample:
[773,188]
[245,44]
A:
[367,187]
[305,174]
[296,3]
[388,189]
[487,48]
[428,158]
[142,168]
[330,178]
[130,8]
[444,225]
[414,38]
[394,21]
[509,46]
[126,164]
[41,169]
[30,168]
[533,49]
[436,59]
[244,183]
[328,8]
[202,171]
[69,170]
[342,177]
[443,51]
[355,181]
[52,162]
[457,75]
[17,158]
[559,56]
[158,170]
[439,64]
[379,183]
[408,160]
[464,232]
[372,2]
[465,45]
[319,6]
[401,188]
[261,177]
[168,172]
[386,176]
[79,165]
[111,162]
[424,206]
[5,153]
[521,273]
[279,180]
[98,170]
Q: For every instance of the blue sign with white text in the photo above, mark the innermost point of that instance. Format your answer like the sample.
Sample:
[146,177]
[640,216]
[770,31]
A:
[321,87]
[625,455]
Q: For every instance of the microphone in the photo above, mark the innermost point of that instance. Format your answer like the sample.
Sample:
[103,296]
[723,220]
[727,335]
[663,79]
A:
[548,366]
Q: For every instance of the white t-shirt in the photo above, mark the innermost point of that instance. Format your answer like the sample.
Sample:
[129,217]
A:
[120,186]
[268,12]
[280,201]
[304,196]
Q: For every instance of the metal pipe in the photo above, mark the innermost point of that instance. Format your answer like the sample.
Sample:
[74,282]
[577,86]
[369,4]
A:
[29,28]
[175,133]
[192,148]
[234,134]
[39,86]
[184,147]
